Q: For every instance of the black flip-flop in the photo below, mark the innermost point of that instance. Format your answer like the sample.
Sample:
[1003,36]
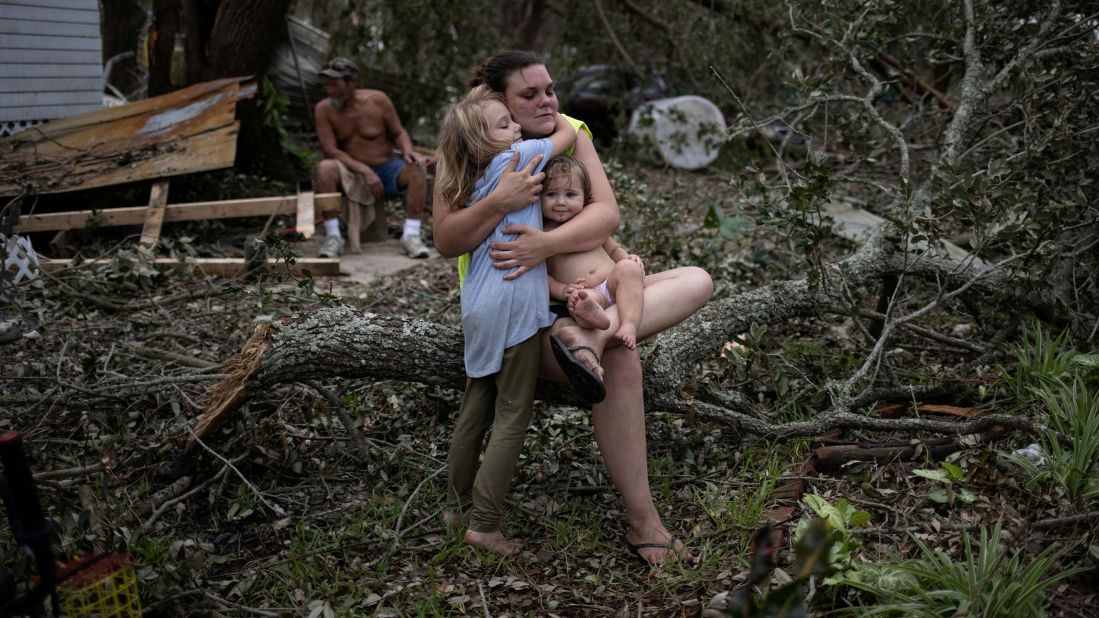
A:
[635,548]
[587,385]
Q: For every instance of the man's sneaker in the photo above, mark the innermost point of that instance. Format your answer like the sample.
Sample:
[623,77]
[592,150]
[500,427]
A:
[331,248]
[413,246]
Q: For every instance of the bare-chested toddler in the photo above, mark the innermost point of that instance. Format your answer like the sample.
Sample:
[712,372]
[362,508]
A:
[590,281]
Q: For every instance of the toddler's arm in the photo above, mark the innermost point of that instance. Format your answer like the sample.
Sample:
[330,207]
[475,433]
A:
[618,253]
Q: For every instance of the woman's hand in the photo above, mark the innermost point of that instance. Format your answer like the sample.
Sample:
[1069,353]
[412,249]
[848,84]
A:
[522,254]
[517,189]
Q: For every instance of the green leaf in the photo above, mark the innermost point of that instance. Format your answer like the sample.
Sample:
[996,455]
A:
[935,475]
[1087,360]
[954,472]
[939,495]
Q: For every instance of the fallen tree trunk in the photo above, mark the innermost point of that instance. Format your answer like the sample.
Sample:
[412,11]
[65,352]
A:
[341,342]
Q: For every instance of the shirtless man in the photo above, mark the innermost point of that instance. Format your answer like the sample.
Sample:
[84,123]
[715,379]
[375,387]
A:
[358,130]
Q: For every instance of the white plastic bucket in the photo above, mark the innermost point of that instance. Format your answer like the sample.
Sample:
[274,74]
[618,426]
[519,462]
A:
[688,131]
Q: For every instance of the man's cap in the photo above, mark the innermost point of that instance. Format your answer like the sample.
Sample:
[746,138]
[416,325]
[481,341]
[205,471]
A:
[341,68]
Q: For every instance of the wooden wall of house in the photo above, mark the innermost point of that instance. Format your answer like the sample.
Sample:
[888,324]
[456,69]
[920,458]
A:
[51,62]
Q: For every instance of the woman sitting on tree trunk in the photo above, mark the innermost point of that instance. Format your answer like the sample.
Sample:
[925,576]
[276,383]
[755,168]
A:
[669,297]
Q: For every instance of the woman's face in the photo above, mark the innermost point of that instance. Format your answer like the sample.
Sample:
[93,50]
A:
[532,101]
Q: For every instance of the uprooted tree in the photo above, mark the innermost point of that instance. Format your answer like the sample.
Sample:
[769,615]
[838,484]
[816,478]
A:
[999,156]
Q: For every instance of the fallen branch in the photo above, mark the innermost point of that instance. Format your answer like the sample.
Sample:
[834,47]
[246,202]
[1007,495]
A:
[847,420]
[69,472]
[1061,522]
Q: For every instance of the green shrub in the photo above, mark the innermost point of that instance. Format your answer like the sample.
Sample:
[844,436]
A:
[989,582]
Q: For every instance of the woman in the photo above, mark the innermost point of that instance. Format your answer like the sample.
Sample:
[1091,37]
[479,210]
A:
[670,297]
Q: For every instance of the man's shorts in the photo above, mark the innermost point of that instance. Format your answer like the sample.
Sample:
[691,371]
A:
[388,173]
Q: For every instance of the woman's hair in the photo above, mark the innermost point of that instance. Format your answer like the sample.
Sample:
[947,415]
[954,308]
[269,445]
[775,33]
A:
[466,146]
[562,166]
[494,71]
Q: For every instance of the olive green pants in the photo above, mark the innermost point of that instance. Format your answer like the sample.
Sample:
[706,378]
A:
[503,401]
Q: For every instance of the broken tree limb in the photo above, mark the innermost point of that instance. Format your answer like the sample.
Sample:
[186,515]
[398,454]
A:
[837,455]
[346,343]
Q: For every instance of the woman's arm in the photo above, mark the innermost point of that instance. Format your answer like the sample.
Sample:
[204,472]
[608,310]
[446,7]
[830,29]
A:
[462,230]
[585,231]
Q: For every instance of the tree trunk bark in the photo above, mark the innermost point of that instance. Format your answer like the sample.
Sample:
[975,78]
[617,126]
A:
[345,343]
[243,37]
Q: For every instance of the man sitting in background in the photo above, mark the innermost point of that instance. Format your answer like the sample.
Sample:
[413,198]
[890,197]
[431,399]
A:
[358,131]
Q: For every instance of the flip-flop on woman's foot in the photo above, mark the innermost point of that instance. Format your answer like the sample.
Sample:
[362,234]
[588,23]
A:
[585,380]
[652,553]
[493,542]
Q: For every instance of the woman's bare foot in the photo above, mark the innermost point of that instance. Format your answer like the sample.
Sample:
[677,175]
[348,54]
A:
[493,542]
[627,334]
[574,337]
[586,311]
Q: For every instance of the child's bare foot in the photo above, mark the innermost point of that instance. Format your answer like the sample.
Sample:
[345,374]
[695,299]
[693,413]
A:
[493,542]
[586,312]
[452,518]
[627,334]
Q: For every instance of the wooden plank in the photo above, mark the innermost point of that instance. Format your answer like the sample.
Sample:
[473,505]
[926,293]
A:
[193,211]
[207,151]
[182,132]
[217,267]
[143,107]
[154,215]
[53,84]
[30,41]
[34,13]
[27,69]
[306,216]
[47,28]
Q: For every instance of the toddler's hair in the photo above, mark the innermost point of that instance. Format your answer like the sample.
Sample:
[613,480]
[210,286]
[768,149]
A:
[562,166]
[466,146]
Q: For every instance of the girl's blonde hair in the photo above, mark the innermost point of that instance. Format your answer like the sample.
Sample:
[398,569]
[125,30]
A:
[466,146]
[562,166]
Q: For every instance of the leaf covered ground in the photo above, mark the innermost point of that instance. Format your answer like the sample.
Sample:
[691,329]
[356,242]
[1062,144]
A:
[284,515]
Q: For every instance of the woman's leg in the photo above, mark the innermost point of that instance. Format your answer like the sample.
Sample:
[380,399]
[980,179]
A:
[669,298]
[619,421]
[619,424]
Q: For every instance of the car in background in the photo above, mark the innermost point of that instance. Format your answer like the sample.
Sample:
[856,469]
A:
[604,96]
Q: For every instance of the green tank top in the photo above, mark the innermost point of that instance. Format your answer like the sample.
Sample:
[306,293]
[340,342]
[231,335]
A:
[463,260]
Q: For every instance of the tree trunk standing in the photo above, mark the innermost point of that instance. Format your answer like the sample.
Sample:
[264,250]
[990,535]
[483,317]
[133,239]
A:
[224,38]
[229,38]
[243,36]
[120,23]
[528,29]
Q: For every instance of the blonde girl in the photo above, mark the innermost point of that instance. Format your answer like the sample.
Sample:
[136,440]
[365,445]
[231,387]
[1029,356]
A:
[501,319]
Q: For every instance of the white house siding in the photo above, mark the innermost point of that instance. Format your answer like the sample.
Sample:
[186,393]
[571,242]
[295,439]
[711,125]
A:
[51,63]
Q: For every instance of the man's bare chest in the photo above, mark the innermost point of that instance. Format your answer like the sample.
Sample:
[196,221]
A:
[366,124]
